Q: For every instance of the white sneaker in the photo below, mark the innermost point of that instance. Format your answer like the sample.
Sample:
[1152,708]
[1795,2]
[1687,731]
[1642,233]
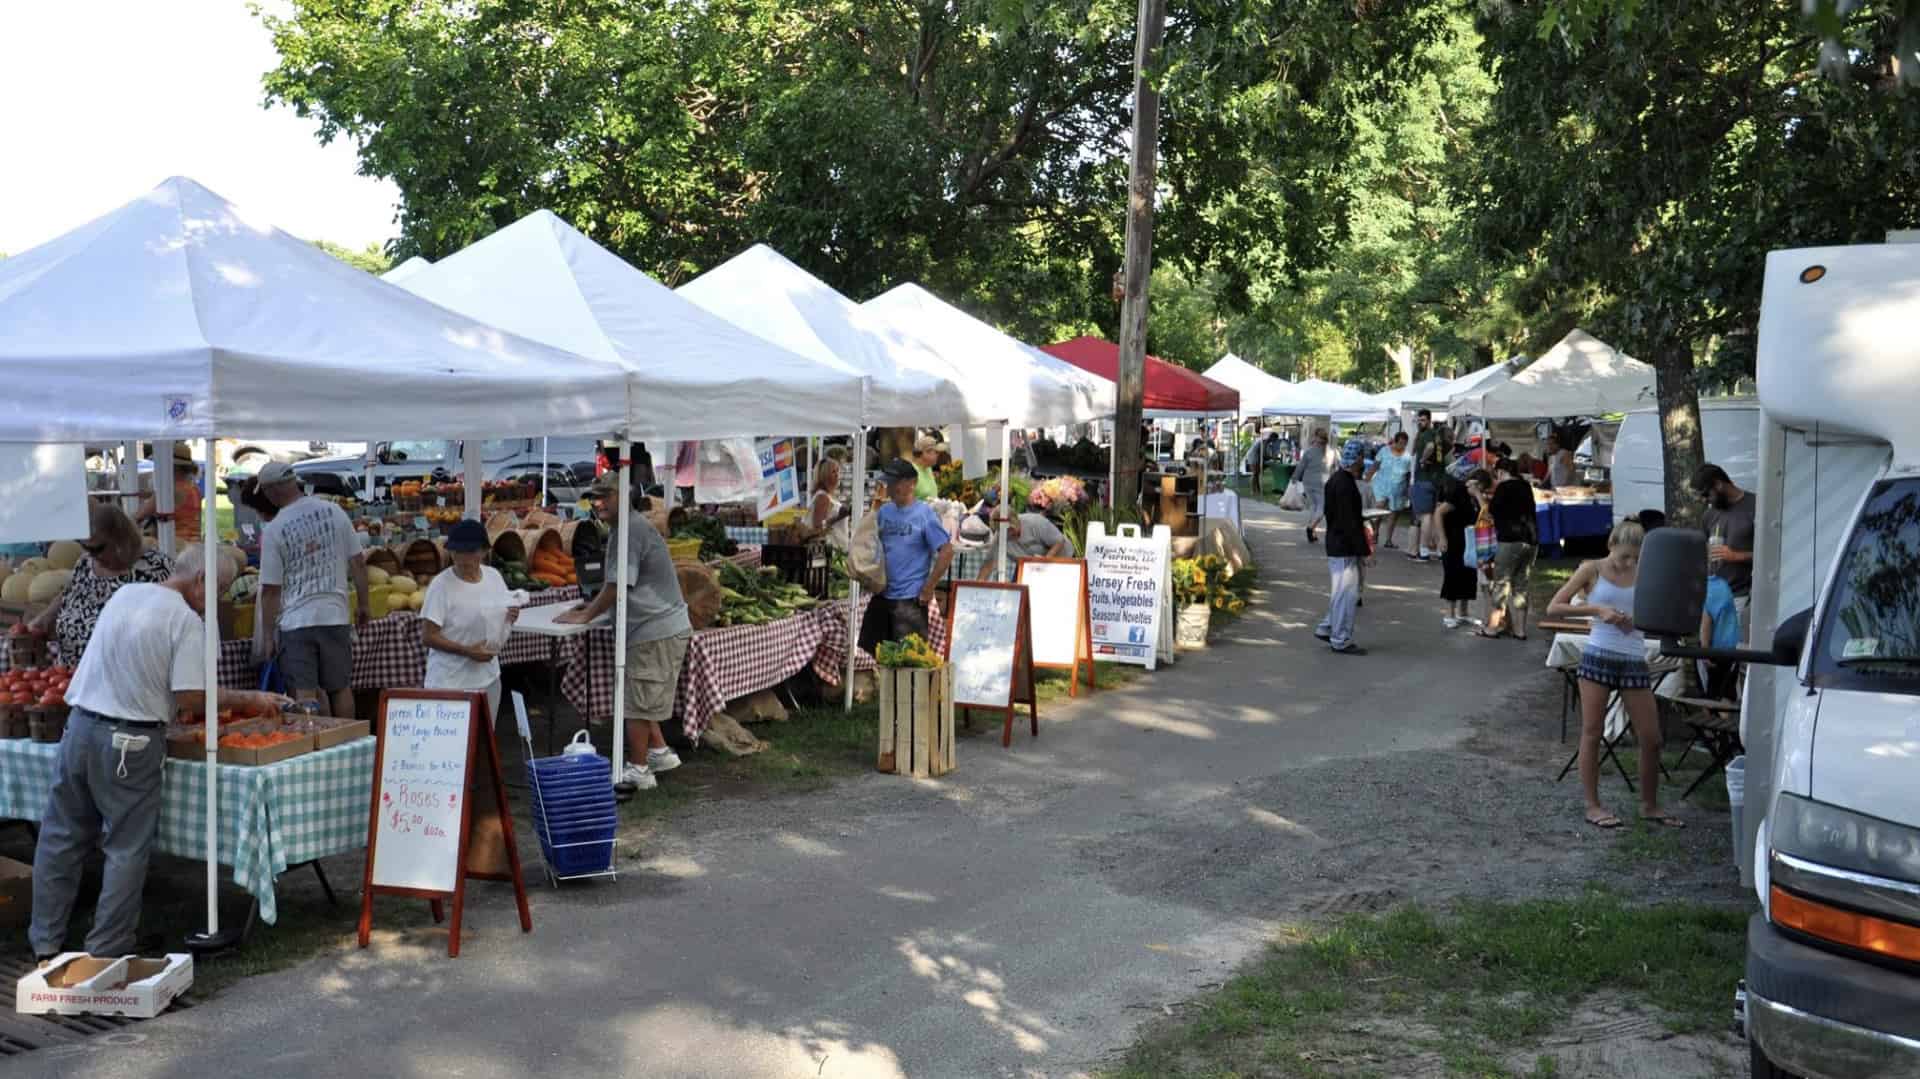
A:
[639,776]
[661,760]
[1450,622]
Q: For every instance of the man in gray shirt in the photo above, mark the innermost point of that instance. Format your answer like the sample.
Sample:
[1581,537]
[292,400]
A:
[1729,526]
[658,631]
[1029,535]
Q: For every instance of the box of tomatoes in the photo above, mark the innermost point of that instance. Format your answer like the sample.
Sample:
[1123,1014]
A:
[23,688]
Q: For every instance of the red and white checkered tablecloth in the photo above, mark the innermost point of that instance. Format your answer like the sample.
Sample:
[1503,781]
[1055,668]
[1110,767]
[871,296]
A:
[832,657]
[748,557]
[722,665]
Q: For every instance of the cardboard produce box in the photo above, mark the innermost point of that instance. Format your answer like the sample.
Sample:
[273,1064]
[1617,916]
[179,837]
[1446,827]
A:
[16,894]
[341,732]
[272,754]
[76,983]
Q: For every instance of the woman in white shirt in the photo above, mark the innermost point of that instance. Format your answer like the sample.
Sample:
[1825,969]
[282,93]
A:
[467,608]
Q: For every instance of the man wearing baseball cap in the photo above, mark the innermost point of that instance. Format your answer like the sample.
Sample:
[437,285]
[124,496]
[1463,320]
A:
[658,630]
[1347,546]
[917,549]
[308,554]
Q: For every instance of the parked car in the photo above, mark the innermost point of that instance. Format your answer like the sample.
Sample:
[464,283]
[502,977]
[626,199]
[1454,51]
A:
[412,459]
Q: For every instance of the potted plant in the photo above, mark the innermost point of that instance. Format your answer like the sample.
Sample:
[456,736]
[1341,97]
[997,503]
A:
[1199,589]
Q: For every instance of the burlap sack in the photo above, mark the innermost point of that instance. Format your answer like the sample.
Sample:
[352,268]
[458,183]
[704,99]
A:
[701,589]
[725,734]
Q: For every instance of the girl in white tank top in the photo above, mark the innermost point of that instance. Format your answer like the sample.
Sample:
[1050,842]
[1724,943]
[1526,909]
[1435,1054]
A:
[1614,662]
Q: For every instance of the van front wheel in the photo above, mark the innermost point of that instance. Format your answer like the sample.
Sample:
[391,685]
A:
[1762,1068]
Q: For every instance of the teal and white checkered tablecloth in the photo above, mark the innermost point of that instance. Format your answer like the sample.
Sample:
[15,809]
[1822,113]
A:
[271,817]
[967,563]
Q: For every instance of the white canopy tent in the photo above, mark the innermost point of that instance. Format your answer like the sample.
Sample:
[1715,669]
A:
[405,270]
[1394,398]
[176,316]
[1437,396]
[1029,387]
[691,374]
[1316,397]
[908,382]
[1256,387]
[1579,376]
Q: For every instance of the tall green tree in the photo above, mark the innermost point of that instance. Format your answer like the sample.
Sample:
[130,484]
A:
[1655,166]
[371,258]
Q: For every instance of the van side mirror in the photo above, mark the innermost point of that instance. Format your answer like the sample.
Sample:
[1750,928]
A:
[1672,586]
[1790,637]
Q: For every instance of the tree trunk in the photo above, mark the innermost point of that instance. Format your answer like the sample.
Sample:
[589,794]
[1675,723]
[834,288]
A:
[1683,449]
[1131,391]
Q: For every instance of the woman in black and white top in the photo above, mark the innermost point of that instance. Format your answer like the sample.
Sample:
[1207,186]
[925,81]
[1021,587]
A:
[114,558]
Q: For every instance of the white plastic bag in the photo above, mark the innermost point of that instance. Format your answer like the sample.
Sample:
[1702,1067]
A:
[1296,496]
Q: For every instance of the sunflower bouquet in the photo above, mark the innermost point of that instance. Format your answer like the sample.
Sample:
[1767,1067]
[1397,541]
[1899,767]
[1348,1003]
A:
[1205,580]
[914,651]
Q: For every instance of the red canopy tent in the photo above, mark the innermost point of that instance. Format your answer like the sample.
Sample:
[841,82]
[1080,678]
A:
[1172,390]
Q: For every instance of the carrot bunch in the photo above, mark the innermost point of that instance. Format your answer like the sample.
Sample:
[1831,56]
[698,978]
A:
[553,567]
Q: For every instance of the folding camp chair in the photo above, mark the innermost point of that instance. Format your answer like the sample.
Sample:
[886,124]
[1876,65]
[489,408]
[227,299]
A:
[1715,723]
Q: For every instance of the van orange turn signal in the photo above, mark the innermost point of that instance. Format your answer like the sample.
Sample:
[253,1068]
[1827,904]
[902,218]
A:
[1861,931]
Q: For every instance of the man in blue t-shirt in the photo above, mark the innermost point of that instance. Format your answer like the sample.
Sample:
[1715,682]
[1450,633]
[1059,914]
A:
[917,549]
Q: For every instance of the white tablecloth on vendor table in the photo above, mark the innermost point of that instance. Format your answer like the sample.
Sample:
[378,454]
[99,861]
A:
[1565,652]
[271,817]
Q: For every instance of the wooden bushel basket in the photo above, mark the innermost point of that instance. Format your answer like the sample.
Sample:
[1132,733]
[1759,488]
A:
[916,720]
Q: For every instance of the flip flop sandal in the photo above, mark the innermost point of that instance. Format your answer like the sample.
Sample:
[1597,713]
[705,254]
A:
[1606,822]
[1665,820]
[1490,636]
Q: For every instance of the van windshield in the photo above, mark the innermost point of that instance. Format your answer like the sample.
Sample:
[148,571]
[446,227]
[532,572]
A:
[1870,634]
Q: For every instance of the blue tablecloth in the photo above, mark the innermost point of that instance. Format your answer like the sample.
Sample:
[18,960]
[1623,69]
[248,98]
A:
[1589,520]
[1547,523]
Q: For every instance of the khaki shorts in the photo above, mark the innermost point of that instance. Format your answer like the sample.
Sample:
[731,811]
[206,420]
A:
[653,677]
[1512,572]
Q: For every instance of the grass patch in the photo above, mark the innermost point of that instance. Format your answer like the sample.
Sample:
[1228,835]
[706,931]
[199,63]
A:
[1546,579]
[1463,985]
[1050,686]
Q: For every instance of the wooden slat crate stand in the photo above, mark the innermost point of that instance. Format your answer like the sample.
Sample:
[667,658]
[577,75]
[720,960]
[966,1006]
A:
[916,720]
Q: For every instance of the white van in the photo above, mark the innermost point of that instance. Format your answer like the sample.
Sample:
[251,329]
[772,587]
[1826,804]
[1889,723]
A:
[1831,719]
[1730,427]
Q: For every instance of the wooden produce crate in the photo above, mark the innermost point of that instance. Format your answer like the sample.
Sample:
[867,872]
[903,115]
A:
[916,720]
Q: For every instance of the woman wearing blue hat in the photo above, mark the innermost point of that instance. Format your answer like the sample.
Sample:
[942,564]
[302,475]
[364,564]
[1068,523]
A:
[466,612]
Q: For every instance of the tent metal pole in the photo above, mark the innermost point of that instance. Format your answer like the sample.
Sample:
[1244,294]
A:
[472,476]
[853,586]
[163,502]
[1006,497]
[625,517]
[543,471]
[210,671]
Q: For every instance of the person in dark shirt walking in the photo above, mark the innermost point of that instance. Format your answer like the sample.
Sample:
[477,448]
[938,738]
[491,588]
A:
[1347,549]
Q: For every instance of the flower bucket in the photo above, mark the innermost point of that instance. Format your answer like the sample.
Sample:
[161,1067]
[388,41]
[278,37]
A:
[1191,626]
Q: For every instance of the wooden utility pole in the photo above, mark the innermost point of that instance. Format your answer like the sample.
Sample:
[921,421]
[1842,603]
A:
[1139,258]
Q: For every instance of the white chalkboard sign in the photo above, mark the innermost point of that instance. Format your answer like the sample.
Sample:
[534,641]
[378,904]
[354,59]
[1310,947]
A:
[1057,594]
[421,791]
[984,643]
[421,828]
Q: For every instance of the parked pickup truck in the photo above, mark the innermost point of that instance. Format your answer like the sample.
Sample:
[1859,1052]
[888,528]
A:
[569,463]
[1830,718]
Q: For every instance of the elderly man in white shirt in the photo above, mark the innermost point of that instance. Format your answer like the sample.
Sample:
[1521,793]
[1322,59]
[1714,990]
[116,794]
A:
[144,662]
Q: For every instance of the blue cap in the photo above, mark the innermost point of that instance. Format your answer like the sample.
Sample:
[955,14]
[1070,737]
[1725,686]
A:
[1353,452]
[468,535]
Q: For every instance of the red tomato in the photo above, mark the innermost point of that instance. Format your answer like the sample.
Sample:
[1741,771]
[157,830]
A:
[50,698]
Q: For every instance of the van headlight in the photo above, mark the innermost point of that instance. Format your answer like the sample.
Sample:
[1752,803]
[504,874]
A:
[1831,836]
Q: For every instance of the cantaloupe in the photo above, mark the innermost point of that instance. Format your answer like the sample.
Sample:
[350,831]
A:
[401,585]
[46,587]
[417,601]
[34,565]
[376,575]
[16,588]
[64,554]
